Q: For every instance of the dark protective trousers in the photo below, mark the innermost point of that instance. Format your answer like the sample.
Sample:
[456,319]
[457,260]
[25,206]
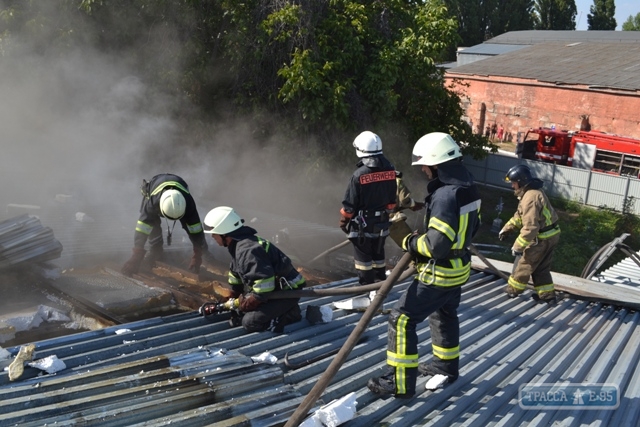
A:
[262,318]
[420,301]
[535,262]
[369,258]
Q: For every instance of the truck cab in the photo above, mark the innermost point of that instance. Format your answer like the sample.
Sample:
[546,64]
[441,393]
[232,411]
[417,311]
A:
[548,145]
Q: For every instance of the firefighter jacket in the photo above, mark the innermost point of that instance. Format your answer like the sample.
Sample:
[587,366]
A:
[534,217]
[150,220]
[258,266]
[452,218]
[370,196]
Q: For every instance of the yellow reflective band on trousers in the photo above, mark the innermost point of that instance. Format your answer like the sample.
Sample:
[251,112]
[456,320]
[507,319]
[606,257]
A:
[455,276]
[144,228]
[446,353]
[398,358]
[518,285]
[545,288]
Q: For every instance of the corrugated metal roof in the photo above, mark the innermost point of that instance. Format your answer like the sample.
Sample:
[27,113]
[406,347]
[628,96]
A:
[169,370]
[597,65]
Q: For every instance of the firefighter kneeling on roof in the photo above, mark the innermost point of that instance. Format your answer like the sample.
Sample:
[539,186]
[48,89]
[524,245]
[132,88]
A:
[257,268]
[539,235]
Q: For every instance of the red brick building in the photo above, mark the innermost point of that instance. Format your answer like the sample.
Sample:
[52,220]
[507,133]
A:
[552,78]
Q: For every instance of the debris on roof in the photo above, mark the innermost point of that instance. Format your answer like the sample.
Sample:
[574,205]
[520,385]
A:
[24,239]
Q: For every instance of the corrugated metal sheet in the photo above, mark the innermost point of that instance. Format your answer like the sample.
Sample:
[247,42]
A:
[168,370]
[598,65]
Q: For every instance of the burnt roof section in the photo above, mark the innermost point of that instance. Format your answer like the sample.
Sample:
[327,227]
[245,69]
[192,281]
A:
[597,65]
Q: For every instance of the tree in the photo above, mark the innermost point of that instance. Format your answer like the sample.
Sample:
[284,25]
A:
[479,20]
[556,14]
[632,23]
[602,15]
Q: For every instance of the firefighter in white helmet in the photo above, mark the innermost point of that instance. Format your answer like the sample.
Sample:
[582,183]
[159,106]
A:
[257,268]
[443,265]
[368,200]
[536,222]
[165,196]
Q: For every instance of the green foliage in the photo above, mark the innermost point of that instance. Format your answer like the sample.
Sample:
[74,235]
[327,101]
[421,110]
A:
[632,23]
[555,14]
[480,20]
[602,15]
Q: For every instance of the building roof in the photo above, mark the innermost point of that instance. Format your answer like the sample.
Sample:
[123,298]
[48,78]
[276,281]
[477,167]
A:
[186,370]
[597,65]
[531,37]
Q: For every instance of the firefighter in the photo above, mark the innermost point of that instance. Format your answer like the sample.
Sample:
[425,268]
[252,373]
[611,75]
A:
[399,229]
[539,234]
[443,265]
[368,200]
[257,268]
[165,196]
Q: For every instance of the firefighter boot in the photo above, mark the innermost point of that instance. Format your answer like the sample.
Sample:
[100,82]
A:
[511,291]
[385,385]
[545,297]
[291,316]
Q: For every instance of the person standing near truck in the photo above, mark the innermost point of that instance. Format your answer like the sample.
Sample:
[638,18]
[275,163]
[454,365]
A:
[539,234]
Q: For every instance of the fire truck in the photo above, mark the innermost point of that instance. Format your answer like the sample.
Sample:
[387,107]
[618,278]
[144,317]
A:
[595,150]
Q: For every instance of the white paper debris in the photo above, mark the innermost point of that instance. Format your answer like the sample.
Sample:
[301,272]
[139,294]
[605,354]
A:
[265,357]
[333,414]
[436,382]
[353,303]
[327,313]
[122,331]
[50,364]
[83,217]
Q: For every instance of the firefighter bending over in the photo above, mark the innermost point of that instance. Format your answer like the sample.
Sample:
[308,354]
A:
[165,196]
[443,265]
[369,198]
[257,268]
[539,235]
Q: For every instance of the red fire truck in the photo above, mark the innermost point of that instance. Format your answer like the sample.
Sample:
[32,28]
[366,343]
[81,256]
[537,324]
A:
[595,150]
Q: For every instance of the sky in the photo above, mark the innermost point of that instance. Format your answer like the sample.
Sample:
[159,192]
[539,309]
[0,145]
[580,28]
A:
[624,8]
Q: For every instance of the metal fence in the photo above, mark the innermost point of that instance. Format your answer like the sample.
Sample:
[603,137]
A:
[583,186]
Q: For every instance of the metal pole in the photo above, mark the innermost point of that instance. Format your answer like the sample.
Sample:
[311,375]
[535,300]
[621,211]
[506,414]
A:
[320,386]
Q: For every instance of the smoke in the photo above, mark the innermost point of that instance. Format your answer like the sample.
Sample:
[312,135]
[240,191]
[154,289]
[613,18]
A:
[88,125]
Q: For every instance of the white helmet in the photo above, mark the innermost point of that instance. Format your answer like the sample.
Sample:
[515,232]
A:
[435,148]
[222,220]
[367,144]
[172,204]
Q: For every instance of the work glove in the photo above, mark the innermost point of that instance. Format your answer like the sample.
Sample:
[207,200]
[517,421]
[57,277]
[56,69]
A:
[515,253]
[250,302]
[503,234]
[344,224]
[417,206]
[132,266]
[196,259]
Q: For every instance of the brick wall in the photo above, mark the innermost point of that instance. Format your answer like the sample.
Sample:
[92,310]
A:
[519,104]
